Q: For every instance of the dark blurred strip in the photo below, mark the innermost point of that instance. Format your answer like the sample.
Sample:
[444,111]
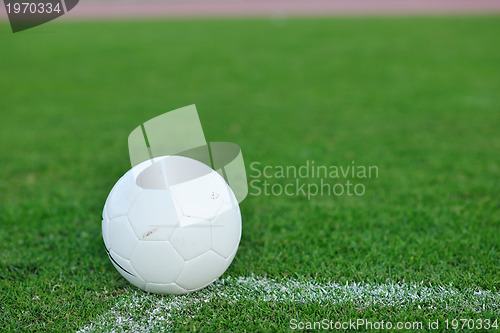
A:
[239,8]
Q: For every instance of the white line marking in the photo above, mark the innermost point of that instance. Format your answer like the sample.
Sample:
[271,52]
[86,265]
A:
[137,311]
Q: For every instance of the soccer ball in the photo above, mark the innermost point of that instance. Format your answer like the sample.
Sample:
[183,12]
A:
[171,225]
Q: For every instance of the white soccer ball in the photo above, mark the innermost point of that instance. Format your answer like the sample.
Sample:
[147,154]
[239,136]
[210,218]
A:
[171,225]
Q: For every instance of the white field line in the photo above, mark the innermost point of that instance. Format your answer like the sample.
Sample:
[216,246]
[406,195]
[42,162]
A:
[138,311]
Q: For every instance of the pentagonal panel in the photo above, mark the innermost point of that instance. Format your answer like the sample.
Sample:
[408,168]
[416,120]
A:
[153,215]
[157,262]
[122,238]
[124,267]
[226,231]
[193,239]
[170,288]
[201,271]
[201,197]
[122,195]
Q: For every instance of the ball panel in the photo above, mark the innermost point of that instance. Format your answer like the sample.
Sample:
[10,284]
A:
[157,262]
[193,239]
[226,231]
[170,288]
[105,228]
[201,271]
[229,260]
[201,197]
[122,196]
[181,169]
[152,177]
[125,268]
[186,221]
[122,238]
[153,215]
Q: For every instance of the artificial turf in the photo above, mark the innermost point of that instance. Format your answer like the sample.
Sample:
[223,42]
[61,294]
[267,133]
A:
[417,97]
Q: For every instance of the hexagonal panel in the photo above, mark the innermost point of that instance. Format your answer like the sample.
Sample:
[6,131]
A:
[229,260]
[192,239]
[201,271]
[153,216]
[157,262]
[186,221]
[177,208]
[121,196]
[105,229]
[201,197]
[226,231]
[170,288]
[124,267]
[122,238]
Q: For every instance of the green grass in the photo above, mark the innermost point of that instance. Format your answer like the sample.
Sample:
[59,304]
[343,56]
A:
[418,97]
